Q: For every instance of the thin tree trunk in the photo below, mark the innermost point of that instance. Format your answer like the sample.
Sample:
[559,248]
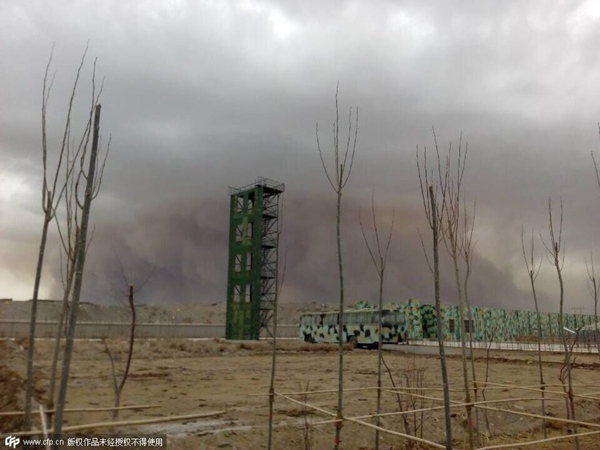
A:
[567,357]
[59,334]
[379,258]
[532,272]
[48,196]
[119,390]
[272,380]
[33,318]
[473,373]
[78,282]
[463,343]
[540,365]
[438,309]
[379,359]
[596,318]
[340,416]
[554,251]
[341,178]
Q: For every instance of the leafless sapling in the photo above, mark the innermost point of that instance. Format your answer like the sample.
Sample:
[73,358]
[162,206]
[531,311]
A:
[556,257]
[594,289]
[119,385]
[68,228]
[490,338]
[125,289]
[92,178]
[411,395]
[343,154]
[52,191]
[533,271]
[451,236]
[379,255]
[467,245]
[433,194]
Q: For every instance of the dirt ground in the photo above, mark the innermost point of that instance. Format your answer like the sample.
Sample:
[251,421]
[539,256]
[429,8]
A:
[186,377]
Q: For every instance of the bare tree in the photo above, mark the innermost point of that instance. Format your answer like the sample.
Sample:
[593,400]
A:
[594,289]
[122,290]
[490,338]
[52,192]
[466,245]
[307,431]
[556,256]
[411,395]
[338,178]
[93,179]
[68,229]
[433,194]
[379,257]
[533,272]
[118,386]
[451,236]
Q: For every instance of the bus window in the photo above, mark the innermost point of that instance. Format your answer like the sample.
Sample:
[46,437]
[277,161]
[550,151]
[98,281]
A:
[451,325]
[332,319]
[394,317]
[357,318]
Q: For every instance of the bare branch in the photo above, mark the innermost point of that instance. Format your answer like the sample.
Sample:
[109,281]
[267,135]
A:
[377,252]
[371,253]
[425,252]
[345,180]
[556,248]
[100,173]
[68,120]
[532,271]
[322,161]
[45,96]
[595,164]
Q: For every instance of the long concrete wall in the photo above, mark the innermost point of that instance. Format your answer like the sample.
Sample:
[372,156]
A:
[90,330]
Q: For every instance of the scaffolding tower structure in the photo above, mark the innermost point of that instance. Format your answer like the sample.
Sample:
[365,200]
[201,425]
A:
[252,276]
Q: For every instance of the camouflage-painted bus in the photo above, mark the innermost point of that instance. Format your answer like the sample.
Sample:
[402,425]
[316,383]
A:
[361,327]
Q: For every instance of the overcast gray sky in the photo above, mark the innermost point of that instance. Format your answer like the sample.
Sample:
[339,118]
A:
[202,95]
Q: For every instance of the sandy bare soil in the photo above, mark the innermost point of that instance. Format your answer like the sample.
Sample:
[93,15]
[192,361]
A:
[186,377]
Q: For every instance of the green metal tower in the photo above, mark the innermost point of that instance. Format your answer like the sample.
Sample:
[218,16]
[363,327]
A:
[253,253]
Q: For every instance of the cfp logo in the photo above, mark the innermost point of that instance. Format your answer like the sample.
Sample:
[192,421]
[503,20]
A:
[12,441]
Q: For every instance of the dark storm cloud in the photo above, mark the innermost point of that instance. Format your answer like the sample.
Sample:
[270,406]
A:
[204,95]
[183,247]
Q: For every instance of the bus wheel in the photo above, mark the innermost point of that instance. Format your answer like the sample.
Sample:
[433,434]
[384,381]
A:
[353,342]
